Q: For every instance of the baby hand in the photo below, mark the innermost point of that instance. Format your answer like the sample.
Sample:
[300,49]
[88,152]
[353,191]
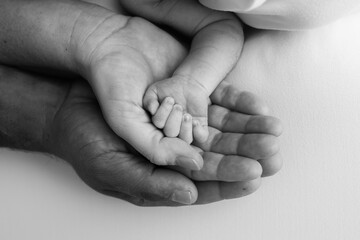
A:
[179,107]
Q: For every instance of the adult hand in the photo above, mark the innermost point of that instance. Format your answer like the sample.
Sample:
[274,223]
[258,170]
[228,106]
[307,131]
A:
[124,59]
[69,135]
[121,57]
[47,115]
[153,55]
[186,17]
[106,163]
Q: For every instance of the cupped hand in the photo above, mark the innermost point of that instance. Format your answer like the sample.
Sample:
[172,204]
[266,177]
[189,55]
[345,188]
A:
[79,134]
[123,61]
[123,56]
[187,17]
[216,43]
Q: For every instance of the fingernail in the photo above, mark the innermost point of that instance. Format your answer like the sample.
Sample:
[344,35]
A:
[187,163]
[169,100]
[196,123]
[183,197]
[187,117]
[178,107]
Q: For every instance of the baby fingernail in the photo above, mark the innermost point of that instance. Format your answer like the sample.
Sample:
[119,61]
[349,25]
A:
[183,197]
[187,163]
[178,107]
[169,100]
[196,123]
[187,117]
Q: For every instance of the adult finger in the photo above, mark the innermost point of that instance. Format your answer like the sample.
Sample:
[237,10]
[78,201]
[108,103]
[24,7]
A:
[226,120]
[225,168]
[217,191]
[141,182]
[106,166]
[209,192]
[162,187]
[104,161]
[255,146]
[227,96]
[271,165]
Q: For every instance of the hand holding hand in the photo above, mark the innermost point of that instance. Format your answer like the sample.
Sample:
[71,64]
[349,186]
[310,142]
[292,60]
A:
[127,55]
[79,134]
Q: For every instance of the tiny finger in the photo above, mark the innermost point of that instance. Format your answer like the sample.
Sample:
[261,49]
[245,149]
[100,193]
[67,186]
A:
[163,112]
[151,102]
[173,123]
[201,132]
[186,133]
[153,107]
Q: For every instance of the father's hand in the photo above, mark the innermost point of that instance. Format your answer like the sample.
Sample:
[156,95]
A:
[109,165]
[122,57]
[187,17]
[42,114]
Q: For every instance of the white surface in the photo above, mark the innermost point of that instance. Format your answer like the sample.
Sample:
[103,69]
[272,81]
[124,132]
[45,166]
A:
[313,85]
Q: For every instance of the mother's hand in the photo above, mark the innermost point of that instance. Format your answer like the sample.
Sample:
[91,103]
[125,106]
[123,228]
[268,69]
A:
[79,134]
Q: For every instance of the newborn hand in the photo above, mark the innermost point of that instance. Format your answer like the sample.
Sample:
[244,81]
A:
[217,40]
[169,99]
[125,56]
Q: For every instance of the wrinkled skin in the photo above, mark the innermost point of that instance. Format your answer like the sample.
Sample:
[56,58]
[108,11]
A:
[106,163]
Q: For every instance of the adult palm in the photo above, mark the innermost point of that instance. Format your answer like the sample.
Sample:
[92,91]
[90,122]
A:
[126,55]
[79,134]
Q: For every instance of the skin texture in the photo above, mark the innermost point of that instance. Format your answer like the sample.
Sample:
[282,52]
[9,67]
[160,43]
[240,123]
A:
[216,45]
[126,109]
[215,48]
[185,82]
[75,130]
[104,46]
[120,91]
[120,57]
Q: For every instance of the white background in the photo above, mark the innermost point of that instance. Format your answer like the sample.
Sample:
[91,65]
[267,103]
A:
[310,79]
